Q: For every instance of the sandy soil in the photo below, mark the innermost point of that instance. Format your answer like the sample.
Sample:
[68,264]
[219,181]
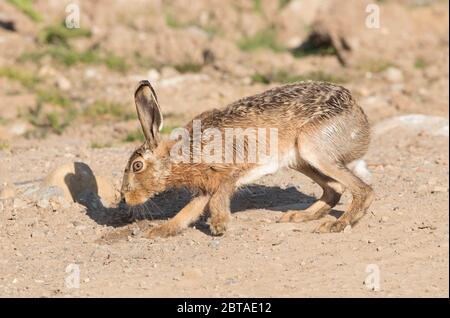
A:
[46,238]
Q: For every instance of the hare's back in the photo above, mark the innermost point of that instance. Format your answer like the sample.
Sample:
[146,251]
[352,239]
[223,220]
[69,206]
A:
[307,99]
[303,101]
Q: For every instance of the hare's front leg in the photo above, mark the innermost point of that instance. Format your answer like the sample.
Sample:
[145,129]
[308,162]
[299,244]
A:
[219,207]
[189,214]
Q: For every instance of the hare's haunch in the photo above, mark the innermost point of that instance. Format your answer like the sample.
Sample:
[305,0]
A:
[313,127]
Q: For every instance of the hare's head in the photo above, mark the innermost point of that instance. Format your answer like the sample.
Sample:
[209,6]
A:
[147,167]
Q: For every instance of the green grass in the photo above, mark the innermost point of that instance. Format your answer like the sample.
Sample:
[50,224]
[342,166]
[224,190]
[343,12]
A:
[137,134]
[264,39]
[284,77]
[4,145]
[375,66]
[24,77]
[102,109]
[133,136]
[283,3]
[168,127]
[52,121]
[114,62]
[257,7]
[70,57]
[188,67]
[59,34]
[307,51]
[99,145]
[173,22]
[53,96]
[26,6]
[420,63]
[58,122]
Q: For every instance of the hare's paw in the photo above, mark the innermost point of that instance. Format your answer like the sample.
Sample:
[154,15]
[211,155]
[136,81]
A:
[331,227]
[218,224]
[295,217]
[164,230]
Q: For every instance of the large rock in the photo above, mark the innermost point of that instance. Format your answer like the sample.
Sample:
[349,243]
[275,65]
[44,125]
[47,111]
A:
[78,181]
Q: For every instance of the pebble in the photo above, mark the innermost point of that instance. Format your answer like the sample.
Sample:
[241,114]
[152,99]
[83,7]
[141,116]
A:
[43,204]
[393,75]
[194,273]
[348,229]
[63,83]
[214,243]
[153,75]
[19,204]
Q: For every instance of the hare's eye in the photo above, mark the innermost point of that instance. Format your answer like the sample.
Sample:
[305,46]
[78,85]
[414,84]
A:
[137,166]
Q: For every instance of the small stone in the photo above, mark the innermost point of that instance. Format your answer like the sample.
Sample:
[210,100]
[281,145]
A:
[43,204]
[378,248]
[63,83]
[214,243]
[90,73]
[194,273]
[348,229]
[86,280]
[370,241]
[384,219]
[168,71]
[393,75]
[135,232]
[19,204]
[80,227]
[18,128]
[153,75]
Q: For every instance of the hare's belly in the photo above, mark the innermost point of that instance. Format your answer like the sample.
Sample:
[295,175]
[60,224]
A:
[270,166]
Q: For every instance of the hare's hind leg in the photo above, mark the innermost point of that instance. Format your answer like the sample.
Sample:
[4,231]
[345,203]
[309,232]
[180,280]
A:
[361,192]
[332,191]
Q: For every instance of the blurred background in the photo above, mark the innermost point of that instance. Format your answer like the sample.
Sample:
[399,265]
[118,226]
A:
[56,81]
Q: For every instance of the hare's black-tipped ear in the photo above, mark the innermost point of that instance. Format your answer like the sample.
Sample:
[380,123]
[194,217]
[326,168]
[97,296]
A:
[149,112]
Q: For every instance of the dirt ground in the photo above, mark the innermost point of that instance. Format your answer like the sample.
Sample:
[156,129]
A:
[66,117]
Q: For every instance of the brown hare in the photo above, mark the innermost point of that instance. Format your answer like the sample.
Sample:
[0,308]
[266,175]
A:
[320,130]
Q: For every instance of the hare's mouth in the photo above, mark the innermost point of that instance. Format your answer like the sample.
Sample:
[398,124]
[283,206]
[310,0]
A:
[132,199]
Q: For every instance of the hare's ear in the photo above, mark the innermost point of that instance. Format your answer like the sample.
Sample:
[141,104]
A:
[149,112]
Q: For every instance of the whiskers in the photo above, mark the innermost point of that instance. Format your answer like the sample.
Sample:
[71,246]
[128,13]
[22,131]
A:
[146,211]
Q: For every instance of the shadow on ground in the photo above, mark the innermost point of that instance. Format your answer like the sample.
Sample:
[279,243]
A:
[168,203]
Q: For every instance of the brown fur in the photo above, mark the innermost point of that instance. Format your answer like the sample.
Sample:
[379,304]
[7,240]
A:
[319,121]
